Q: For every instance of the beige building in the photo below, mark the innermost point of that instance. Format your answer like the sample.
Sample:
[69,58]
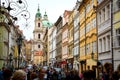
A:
[65,39]
[70,41]
[58,56]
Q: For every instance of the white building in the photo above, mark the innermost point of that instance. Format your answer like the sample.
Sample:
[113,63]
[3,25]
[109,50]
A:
[104,31]
[76,36]
[52,45]
[116,33]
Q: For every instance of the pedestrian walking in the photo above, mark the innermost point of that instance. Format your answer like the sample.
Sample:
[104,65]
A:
[19,75]
[88,75]
[63,75]
[34,76]
[7,74]
[76,75]
[59,76]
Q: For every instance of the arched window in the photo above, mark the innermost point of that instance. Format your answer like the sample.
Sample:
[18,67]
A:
[38,36]
[38,24]
[38,46]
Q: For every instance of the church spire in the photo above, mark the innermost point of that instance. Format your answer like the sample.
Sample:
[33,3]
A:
[45,16]
[38,10]
[38,14]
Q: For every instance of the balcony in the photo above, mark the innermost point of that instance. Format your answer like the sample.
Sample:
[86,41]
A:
[106,25]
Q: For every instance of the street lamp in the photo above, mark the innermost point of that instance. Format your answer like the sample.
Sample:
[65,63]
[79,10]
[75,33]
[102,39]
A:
[15,8]
[19,44]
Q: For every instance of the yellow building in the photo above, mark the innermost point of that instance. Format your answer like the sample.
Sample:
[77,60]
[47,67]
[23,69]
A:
[88,43]
[116,33]
[70,40]
[28,51]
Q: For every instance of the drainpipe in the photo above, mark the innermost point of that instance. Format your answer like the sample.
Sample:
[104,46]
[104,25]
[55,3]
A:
[112,35]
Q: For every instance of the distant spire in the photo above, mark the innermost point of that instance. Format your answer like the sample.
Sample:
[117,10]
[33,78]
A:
[38,8]
[38,14]
[45,15]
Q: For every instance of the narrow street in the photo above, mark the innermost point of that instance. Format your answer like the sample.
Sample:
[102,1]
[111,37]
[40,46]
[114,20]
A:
[60,40]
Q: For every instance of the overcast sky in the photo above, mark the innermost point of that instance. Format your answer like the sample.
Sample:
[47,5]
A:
[54,9]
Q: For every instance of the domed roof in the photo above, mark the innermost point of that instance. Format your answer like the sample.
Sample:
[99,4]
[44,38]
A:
[38,14]
[46,23]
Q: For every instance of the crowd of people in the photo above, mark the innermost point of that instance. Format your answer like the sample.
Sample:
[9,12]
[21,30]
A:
[51,74]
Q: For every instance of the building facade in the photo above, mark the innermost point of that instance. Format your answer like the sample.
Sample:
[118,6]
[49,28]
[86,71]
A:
[52,45]
[65,39]
[88,37]
[59,24]
[70,41]
[104,31]
[76,36]
[4,40]
[116,33]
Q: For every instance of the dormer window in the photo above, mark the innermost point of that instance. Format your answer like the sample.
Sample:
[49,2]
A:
[38,24]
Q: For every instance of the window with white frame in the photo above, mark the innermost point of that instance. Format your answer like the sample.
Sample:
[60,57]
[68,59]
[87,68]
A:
[104,43]
[76,35]
[88,7]
[108,42]
[82,31]
[103,14]
[108,11]
[94,22]
[82,50]
[88,27]
[118,36]
[74,51]
[94,46]
[118,4]
[75,23]
[63,35]
[100,45]
[76,48]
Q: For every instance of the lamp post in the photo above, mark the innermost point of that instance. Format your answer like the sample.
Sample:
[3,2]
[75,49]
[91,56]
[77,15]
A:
[15,8]
[19,43]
